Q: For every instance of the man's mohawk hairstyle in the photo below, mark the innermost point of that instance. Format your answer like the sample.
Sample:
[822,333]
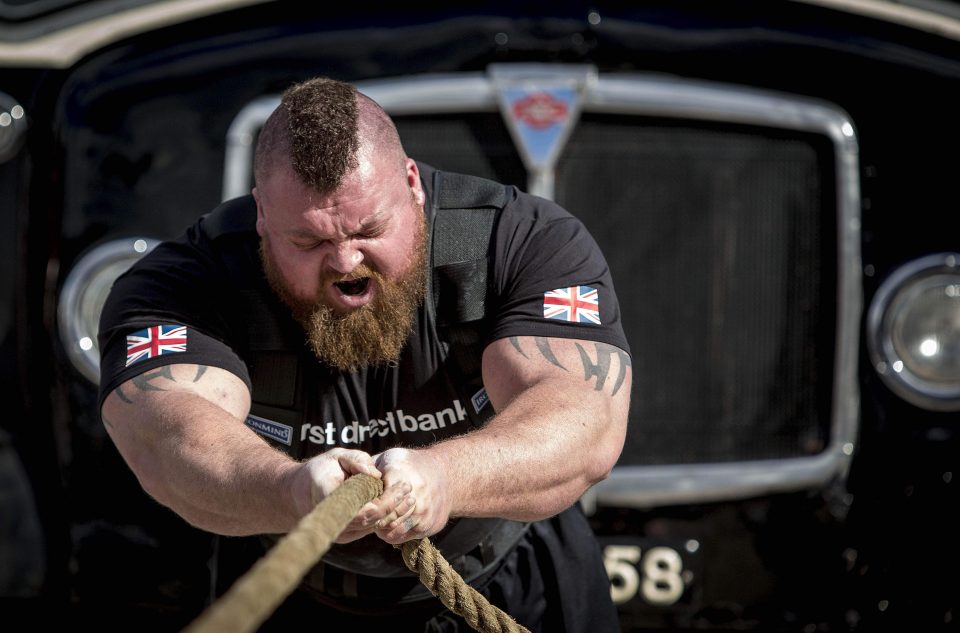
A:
[322,125]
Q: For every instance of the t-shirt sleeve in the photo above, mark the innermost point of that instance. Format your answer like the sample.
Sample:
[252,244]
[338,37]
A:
[167,309]
[551,277]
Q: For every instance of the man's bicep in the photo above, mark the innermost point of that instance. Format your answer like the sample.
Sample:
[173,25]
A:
[218,386]
[514,364]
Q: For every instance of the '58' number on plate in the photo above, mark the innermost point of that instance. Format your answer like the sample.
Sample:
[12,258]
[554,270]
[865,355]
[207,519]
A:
[656,574]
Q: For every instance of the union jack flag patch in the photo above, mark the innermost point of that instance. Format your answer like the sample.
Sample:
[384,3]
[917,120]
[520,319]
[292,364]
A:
[577,304]
[155,341]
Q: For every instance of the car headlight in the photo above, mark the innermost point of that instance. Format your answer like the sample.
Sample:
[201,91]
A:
[83,294]
[913,330]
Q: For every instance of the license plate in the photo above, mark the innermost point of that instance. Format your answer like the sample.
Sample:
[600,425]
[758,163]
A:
[647,574]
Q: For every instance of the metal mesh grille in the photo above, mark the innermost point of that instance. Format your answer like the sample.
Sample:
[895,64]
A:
[476,144]
[720,245]
[721,241]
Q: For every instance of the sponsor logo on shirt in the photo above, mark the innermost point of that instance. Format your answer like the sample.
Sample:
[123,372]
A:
[393,423]
[270,429]
[156,341]
[480,400]
[576,304]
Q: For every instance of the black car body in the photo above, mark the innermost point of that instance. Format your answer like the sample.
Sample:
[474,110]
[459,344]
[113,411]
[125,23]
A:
[771,182]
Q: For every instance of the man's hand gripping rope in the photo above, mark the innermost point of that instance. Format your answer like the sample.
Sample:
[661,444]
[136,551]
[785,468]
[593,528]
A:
[251,600]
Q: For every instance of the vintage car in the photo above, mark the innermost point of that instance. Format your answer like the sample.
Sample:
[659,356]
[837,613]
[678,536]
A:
[771,182]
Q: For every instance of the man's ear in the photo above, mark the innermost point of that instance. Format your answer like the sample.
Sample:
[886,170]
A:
[260,219]
[413,181]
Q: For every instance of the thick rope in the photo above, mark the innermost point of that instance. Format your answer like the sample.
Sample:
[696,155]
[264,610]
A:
[423,559]
[255,596]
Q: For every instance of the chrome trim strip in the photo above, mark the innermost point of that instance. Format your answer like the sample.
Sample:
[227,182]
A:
[650,486]
[62,48]
[924,16]
[639,94]
[428,94]
[241,137]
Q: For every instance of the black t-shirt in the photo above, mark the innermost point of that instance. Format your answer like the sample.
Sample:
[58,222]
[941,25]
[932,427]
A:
[203,299]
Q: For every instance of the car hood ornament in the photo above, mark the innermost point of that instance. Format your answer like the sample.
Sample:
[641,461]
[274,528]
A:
[540,104]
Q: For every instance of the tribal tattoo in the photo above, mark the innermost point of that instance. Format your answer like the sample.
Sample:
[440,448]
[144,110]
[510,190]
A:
[153,381]
[599,369]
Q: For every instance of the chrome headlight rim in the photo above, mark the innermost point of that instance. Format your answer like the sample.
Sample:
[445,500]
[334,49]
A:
[911,278]
[77,310]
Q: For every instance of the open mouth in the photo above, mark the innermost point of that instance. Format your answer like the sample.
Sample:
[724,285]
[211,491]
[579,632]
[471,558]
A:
[353,287]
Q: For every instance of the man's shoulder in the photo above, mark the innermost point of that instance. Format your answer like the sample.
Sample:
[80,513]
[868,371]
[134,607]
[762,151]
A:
[230,217]
[201,250]
[517,209]
[456,190]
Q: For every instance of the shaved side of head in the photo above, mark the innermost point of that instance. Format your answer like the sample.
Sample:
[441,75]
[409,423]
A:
[321,128]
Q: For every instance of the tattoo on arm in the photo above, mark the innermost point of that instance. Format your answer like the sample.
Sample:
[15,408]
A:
[143,382]
[516,345]
[543,344]
[147,381]
[122,396]
[601,368]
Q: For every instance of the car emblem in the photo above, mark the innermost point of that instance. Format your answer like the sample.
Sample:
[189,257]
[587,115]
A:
[540,104]
[540,110]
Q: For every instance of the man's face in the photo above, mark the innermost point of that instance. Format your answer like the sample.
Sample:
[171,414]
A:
[350,264]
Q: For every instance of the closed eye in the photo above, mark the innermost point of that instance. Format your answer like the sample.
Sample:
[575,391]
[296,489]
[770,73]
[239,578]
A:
[305,246]
[373,231]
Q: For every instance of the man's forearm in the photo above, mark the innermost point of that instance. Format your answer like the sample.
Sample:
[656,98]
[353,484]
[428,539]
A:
[202,462]
[227,480]
[535,458]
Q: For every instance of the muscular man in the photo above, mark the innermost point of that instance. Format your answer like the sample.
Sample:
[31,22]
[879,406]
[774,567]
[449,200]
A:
[295,337]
